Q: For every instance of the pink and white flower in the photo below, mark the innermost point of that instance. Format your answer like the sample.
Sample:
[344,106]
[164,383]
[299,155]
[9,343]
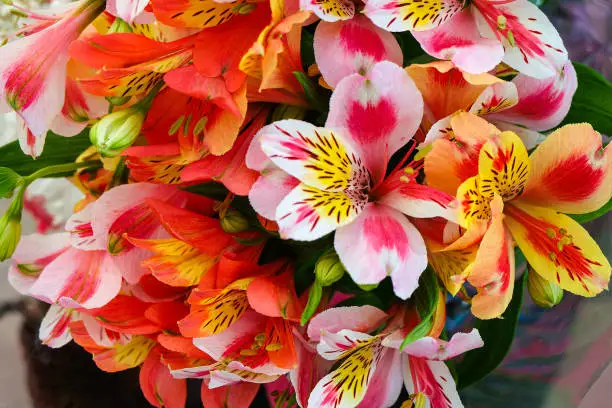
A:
[33,72]
[372,368]
[338,173]
[476,38]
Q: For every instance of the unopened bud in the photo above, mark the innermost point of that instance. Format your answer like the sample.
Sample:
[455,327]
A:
[117,131]
[288,112]
[329,269]
[233,222]
[544,293]
[10,228]
[119,26]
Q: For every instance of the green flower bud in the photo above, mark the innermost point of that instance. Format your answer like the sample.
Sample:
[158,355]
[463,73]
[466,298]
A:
[117,131]
[329,269]
[120,26]
[368,288]
[10,228]
[233,222]
[288,112]
[544,293]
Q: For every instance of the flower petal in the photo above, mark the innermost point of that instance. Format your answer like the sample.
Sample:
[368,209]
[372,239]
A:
[379,243]
[451,162]
[269,191]
[534,48]
[571,171]
[231,396]
[543,102]
[346,386]
[559,249]
[330,10]
[473,206]
[459,41]
[436,349]
[55,327]
[127,10]
[414,15]
[352,47]
[319,157]
[432,378]
[503,167]
[495,98]
[157,384]
[87,279]
[362,319]
[493,270]
[386,383]
[307,213]
[380,111]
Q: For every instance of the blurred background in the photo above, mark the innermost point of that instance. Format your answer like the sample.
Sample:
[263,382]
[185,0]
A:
[560,358]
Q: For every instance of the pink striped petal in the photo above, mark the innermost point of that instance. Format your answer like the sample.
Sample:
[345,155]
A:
[81,231]
[436,349]
[76,278]
[380,112]
[379,243]
[352,47]
[269,190]
[543,103]
[333,346]
[32,254]
[386,384]
[432,378]
[458,40]
[536,49]
[309,371]
[356,318]
[54,329]
[414,15]
[497,97]
[307,213]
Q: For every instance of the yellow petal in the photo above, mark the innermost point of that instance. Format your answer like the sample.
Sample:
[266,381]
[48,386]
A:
[453,267]
[503,167]
[571,172]
[559,249]
[473,207]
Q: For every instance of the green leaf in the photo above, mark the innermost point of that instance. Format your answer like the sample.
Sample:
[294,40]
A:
[426,303]
[8,181]
[314,298]
[498,335]
[409,45]
[312,93]
[307,48]
[214,190]
[58,150]
[592,102]
[584,218]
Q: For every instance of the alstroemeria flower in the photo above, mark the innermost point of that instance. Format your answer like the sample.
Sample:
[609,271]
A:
[479,36]
[342,186]
[127,10]
[33,72]
[506,196]
[372,368]
[537,104]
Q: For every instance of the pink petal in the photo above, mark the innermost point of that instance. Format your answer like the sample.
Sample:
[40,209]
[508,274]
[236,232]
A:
[537,49]
[497,97]
[415,200]
[380,112]
[401,15]
[436,349]
[76,278]
[127,10]
[319,157]
[530,138]
[307,213]
[386,384]
[459,41]
[81,231]
[269,190]
[543,103]
[352,47]
[232,396]
[54,329]
[32,254]
[432,378]
[333,346]
[379,243]
[356,318]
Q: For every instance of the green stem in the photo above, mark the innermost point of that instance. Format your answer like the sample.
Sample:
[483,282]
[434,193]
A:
[59,168]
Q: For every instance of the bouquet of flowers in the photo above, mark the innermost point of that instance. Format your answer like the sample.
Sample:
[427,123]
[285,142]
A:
[290,193]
